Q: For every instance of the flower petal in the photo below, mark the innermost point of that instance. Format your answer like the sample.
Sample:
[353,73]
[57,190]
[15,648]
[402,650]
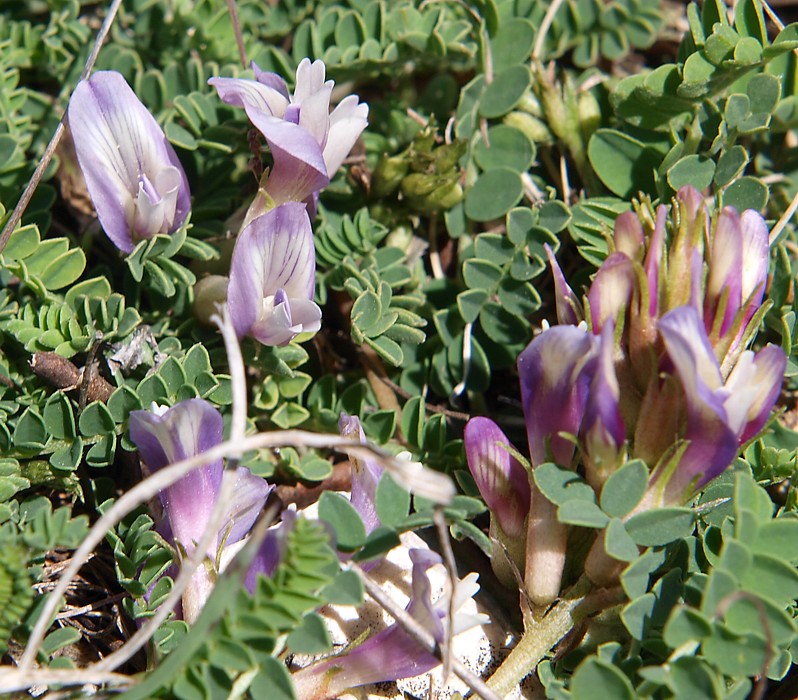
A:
[185,430]
[569,310]
[501,480]
[299,167]
[119,146]
[240,92]
[366,474]
[555,371]
[275,252]
[611,290]
[347,122]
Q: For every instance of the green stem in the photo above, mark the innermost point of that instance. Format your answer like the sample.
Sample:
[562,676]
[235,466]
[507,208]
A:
[539,638]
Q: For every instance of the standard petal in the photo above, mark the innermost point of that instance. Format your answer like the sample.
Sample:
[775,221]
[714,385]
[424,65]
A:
[309,79]
[272,277]
[500,478]
[246,501]
[761,381]
[628,235]
[555,371]
[119,146]
[725,276]
[603,431]
[611,290]
[366,474]
[347,122]
[185,430]
[755,256]
[240,92]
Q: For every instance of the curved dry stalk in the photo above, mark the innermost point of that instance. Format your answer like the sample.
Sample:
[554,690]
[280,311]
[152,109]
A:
[49,152]
[419,480]
[11,680]
[543,30]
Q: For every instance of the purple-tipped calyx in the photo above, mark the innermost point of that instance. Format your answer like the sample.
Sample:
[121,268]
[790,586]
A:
[132,173]
[272,277]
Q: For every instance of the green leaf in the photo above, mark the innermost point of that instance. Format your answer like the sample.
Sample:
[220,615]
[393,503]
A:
[507,147]
[389,350]
[493,194]
[273,681]
[512,44]
[391,501]
[734,655]
[686,625]
[617,542]
[469,302]
[730,165]
[746,193]
[344,519]
[694,170]
[30,432]
[561,485]
[96,419]
[658,527]
[582,513]
[505,91]
[310,636]
[624,489]
[623,163]
[345,589]
[60,638]
[481,275]
[595,678]
[59,420]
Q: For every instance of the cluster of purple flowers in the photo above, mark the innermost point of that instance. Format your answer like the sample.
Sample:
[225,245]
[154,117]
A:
[139,188]
[654,366]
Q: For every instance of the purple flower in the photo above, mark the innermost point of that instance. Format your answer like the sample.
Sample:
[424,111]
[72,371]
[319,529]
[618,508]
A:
[165,436]
[392,654]
[720,416]
[501,480]
[272,277]
[611,291]
[569,310]
[603,432]
[132,173]
[308,143]
[555,371]
[366,474]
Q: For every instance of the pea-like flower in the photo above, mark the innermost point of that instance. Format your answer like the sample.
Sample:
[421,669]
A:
[392,654]
[165,436]
[366,474]
[308,143]
[721,416]
[132,173]
[272,277]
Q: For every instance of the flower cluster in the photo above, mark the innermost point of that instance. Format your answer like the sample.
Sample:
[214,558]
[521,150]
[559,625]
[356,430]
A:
[139,189]
[654,366]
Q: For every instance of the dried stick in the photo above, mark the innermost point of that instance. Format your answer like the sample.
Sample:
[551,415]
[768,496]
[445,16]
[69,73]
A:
[36,178]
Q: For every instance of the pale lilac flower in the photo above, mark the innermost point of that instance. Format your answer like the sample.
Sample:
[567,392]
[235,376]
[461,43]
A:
[366,474]
[501,479]
[628,235]
[272,277]
[392,654]
[720,416]
[308,143]
[132,173]
[165,436]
